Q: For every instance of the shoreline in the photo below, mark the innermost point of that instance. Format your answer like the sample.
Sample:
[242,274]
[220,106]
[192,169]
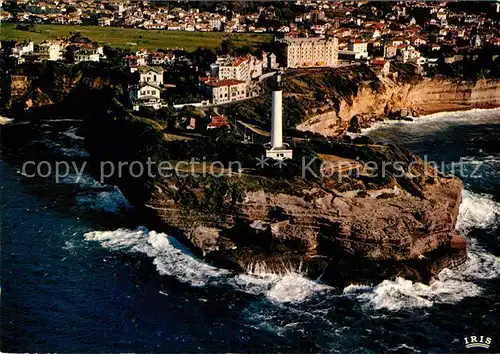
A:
[453,107]
[435,114]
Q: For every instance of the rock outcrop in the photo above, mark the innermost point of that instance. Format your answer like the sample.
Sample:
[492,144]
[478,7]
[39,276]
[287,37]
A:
[346,225]
[52,89]
[338,237]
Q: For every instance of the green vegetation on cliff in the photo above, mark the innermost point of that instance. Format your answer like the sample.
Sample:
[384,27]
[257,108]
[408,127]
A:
[120,137]
[54,89]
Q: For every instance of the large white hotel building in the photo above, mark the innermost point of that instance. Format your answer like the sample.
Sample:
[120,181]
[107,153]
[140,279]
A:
[310,52]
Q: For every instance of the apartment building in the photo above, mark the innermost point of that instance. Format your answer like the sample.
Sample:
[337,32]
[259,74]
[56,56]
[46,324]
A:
[49,50]
[315,51]
[222,91]
[233,68]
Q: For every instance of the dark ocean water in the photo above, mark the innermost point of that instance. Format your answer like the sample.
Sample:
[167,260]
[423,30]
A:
[79,273]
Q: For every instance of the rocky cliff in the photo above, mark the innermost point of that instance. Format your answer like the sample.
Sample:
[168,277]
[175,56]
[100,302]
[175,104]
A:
[392,98]
[340,222]
[51,89]
[340,238]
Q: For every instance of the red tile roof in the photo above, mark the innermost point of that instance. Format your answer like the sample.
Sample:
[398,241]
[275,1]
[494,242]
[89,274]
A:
[239,61]
[220,83]
[378,61]
[218,121]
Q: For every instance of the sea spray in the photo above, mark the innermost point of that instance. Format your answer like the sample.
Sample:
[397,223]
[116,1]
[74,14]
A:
[172,259]
[478,211]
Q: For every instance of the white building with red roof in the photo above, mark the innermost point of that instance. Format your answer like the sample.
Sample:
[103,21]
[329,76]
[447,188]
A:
[223,91]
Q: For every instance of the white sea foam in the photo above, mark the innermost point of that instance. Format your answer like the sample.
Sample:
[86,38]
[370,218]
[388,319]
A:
[84,180]
[73,152]
[477,211]
[5,120]
[173,259]
[62,120]
[111,200]
[71,133]
[473,116]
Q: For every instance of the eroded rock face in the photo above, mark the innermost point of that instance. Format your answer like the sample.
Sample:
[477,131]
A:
[340,238]
[400,100]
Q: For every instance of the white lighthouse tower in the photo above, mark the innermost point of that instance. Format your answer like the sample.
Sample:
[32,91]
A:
[276,149]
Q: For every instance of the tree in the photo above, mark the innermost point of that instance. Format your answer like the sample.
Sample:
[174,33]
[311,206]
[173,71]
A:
[70,9]
[227,46]
[30,27]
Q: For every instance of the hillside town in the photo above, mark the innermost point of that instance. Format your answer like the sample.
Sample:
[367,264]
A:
[418,36]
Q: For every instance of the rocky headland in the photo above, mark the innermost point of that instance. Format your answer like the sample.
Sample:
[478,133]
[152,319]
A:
[340,221]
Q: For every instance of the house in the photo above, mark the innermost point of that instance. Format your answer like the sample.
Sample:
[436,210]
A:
[144,92]
[151,74]
[22,48]
[104,21]
[269,61]
[407,53]
[49,51]
[160,58]
[255,67]
[418,60]
[381,66]
[134,61]
[215,22]
[360,49]
[419,41]
[86,55]
[191,123]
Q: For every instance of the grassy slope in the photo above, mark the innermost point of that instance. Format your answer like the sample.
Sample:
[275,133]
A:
[120,37]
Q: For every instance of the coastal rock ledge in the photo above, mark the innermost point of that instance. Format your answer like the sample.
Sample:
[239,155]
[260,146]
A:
[340,229]
[338,239]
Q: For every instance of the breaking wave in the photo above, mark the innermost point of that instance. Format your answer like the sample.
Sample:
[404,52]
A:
[445,119]
[71,133]
[477,211]
[110,200]
[173,259]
